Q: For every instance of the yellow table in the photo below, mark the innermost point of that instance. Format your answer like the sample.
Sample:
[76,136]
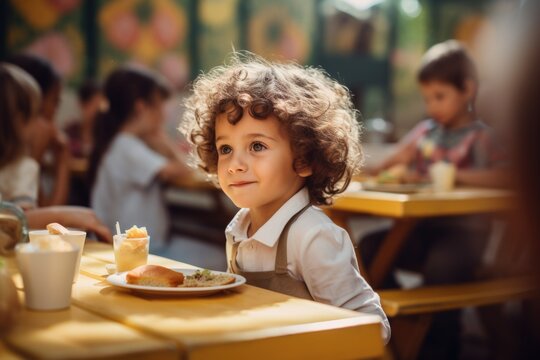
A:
[76,333]
[407,210]
[243,323]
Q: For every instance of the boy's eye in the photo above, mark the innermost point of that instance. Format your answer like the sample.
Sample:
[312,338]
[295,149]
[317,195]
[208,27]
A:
[257,146]
[224,149]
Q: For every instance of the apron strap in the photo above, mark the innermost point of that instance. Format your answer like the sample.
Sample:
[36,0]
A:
[281,254]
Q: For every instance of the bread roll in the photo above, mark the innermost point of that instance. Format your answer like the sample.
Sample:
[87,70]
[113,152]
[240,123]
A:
[154,275]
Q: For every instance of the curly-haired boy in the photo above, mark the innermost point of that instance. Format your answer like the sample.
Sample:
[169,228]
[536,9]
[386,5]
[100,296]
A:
[282,138]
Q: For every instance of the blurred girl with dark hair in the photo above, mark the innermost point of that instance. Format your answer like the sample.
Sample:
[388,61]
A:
[132,157]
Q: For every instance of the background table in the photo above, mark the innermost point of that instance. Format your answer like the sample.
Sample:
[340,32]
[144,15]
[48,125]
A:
[407,210]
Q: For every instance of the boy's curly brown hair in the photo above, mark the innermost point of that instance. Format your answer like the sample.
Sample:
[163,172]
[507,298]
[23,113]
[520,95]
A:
[315,110]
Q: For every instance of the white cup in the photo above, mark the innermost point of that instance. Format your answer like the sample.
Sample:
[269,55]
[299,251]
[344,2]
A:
[130,252]
[75,238]
[47,276]
[443,176]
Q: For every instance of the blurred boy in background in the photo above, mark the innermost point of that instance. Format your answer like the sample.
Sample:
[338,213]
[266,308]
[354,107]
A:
[79,131]
[448,249]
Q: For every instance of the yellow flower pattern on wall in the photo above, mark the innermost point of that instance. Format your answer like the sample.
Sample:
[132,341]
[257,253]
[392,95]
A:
[274,33]
[145,37]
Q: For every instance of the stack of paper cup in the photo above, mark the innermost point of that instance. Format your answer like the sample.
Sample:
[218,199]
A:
[74,237]
[443,176]
[47,274]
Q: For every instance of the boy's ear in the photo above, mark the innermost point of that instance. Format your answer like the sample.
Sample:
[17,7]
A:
[304,171]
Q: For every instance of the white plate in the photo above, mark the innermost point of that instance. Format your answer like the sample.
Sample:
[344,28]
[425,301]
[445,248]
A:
[119,280]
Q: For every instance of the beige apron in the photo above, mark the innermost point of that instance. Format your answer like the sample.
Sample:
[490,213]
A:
[278,280]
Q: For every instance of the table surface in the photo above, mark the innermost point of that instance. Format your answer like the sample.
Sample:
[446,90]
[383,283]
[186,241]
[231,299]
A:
[105,321]
[407,210]
[460,201]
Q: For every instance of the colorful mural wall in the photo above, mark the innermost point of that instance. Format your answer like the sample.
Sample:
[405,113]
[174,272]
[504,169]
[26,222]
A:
[150,33]
[219,31]
[51,29]
[158,33]
[282,29]
[374,51]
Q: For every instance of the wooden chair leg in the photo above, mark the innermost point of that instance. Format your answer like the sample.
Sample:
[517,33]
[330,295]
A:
[408,333]
[386,255]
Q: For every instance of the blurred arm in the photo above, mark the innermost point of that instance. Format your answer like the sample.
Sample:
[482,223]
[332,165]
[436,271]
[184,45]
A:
[164,145]
[69,216]
[483,177]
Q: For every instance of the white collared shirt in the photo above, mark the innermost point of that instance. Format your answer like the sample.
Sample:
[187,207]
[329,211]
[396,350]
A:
[19,182]
[319,252]
[127,189]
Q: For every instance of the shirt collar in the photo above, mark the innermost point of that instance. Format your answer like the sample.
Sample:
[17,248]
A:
[269,233]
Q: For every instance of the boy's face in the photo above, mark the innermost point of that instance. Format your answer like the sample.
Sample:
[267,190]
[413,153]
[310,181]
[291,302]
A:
[255,163]
[444,102]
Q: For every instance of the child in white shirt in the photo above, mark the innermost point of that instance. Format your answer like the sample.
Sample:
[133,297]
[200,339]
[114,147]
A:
[132,157]
[20,100]
[282,138]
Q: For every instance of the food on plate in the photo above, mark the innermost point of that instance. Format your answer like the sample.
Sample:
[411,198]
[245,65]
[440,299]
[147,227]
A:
[136,232]
[57,229]
[206,278]
[392,175]
[160,276]
[154,275]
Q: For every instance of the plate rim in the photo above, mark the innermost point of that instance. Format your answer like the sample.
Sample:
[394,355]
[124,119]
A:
[111,279]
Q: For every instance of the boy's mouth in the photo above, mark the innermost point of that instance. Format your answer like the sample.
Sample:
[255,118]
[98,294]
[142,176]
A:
[241,183]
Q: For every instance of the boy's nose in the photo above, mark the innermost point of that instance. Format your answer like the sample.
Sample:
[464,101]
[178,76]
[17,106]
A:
[237,164]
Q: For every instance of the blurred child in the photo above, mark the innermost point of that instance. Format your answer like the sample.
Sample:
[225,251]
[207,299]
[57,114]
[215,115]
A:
[280,139]
[80,136]
[443,250]
[132,157]
[48,145]
[448,83]
[79,132]
[449,249]
[20,99]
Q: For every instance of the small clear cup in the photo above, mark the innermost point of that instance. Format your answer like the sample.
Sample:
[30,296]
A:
[130,252]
